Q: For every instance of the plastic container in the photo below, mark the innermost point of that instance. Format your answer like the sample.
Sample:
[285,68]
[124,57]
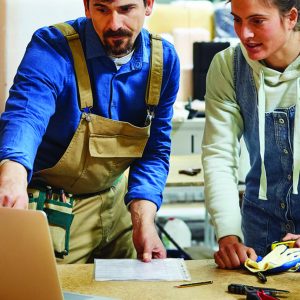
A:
[180,233]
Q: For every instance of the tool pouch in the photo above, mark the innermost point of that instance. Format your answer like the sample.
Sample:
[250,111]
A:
[59,216]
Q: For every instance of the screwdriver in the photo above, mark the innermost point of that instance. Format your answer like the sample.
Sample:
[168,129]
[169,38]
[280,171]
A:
[62,196]
[48,192]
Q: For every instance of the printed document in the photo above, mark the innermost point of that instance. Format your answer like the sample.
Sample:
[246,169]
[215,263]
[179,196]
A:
[169,269]
[76,296]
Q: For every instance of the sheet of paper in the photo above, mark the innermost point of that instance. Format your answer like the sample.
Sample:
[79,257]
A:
[169,269]
[77,296]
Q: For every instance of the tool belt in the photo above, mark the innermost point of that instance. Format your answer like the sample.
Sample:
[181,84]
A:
[58,207]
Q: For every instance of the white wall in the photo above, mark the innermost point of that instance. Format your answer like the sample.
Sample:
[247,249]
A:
[19,19]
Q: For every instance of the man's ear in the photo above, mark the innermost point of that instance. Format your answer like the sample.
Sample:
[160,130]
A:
[86,8]
[149,7]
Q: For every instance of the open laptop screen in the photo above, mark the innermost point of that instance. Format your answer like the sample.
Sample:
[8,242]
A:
[28,267]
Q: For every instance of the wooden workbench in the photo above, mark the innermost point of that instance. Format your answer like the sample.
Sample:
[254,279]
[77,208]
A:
[79,278]
[176,180]
[179,162]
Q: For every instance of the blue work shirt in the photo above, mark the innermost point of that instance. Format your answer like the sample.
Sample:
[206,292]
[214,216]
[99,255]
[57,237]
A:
[42,112]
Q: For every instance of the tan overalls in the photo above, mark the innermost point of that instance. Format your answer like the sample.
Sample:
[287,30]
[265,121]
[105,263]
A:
[94,162]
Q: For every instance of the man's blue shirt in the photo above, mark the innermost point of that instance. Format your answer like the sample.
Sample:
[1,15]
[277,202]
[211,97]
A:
[42,112]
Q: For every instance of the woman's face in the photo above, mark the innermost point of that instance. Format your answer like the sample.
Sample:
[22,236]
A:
[261,29]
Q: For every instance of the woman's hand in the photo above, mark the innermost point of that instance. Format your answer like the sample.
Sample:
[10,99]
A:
[292,236]
[232,253]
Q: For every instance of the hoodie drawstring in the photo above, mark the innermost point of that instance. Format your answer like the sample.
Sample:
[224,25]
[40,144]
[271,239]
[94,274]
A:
[296,146]
[261,128]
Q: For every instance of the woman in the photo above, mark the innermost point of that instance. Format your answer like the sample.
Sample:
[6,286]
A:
[253,90]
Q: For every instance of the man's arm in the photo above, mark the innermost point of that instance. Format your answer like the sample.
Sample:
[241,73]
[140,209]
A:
[13,185]
[148,174]
[145,238]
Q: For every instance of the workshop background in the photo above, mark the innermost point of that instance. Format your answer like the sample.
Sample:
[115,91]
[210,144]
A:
[198,29]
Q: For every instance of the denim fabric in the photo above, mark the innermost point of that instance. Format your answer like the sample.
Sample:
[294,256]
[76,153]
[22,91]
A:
[266,221]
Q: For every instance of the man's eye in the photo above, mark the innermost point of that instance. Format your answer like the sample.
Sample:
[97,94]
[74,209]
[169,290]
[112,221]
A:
[102,10]
[126,9]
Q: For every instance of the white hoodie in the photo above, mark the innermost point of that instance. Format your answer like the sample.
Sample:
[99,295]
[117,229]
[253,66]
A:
[224,127]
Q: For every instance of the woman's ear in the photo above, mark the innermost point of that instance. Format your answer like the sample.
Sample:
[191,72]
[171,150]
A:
[293,17]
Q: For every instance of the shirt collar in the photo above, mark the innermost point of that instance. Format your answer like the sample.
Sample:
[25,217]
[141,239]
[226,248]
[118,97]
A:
[142,47]
[93,43]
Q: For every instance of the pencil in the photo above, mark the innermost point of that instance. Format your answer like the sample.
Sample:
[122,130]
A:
[194,284]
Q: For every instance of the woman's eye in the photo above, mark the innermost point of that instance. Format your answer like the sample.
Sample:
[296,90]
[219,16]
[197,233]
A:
[236,20]
[258,21]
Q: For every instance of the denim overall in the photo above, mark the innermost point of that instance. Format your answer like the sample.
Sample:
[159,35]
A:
[266,221]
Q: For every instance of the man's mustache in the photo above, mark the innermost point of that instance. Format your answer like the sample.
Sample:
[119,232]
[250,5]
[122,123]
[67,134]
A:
[119,32]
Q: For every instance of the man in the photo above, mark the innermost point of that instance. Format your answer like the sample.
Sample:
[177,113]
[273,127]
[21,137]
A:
[78,136]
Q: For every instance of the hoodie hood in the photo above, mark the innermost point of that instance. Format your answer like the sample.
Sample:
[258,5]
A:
[273,77]
[277,89]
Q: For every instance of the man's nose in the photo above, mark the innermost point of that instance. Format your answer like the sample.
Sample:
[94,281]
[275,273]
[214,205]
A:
[116,21]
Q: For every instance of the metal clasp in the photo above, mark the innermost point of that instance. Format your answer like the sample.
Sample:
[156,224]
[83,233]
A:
[150,115]
[86,113]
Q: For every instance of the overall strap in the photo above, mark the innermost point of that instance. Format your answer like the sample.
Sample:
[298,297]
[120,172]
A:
[155,71]
[82,75]
[83,79]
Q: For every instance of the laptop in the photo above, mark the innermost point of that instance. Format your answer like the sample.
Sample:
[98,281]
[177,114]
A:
[27,263]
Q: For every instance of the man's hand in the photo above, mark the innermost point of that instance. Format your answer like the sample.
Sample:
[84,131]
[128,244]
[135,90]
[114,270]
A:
[13,185]
[232,253]
[291,236]
[145,238]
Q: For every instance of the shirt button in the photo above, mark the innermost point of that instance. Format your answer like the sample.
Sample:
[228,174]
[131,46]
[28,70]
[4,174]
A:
[281,121]
[282,205]
[285,151]
[289,177]
[287,227]
[138,65]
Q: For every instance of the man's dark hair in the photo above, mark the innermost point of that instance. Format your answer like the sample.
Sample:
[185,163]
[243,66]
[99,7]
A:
[88,2]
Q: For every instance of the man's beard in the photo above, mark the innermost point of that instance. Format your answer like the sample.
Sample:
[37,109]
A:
[119,47]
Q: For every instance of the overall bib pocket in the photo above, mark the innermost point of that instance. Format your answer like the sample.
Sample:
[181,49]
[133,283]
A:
[59,210]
